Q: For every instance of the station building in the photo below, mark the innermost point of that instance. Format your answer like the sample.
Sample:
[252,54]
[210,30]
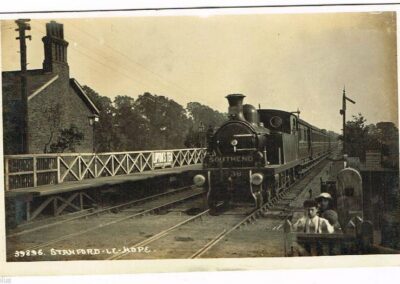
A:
[54,102]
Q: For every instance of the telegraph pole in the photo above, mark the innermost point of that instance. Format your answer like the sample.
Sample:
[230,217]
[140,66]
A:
[23,25]
[343,113]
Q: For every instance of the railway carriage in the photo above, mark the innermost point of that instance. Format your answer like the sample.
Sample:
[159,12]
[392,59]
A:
[257,153]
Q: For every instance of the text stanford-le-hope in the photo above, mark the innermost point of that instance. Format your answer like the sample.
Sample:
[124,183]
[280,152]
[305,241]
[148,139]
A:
[85,251]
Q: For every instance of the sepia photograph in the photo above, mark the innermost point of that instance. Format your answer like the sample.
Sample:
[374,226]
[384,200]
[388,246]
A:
[200,135]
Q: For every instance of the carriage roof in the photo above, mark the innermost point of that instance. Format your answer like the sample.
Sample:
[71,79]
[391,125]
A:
[286,115]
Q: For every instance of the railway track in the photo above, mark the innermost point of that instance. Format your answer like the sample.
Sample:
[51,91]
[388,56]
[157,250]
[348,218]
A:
[151,208]
[89,212]
[231,220]
[264,237]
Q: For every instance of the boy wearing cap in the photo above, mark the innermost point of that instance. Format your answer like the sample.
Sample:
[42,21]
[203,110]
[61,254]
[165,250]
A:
[324,202]
[311,222]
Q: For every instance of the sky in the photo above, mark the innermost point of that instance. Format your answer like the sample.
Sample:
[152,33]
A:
[282,61]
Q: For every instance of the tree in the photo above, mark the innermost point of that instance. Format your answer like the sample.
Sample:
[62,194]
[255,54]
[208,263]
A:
[167,121]
[53,115]
[105,136]
[356,136]
[68,139]
[149,122]
[388,137]
[132,128]
[204,117]
[382,137]
[192,138]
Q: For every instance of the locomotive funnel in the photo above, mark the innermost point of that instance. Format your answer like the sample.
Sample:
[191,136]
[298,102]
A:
[235,110]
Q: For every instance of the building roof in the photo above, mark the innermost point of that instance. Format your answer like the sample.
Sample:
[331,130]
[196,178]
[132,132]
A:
[79,90]
[37,81]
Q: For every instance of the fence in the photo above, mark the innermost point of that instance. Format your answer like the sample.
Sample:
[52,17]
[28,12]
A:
[22,171]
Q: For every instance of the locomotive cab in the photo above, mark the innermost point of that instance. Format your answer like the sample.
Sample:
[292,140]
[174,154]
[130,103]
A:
[279,121]
[283,143]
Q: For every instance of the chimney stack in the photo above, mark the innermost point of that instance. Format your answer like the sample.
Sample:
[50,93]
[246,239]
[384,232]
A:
[235,110]
[55,47]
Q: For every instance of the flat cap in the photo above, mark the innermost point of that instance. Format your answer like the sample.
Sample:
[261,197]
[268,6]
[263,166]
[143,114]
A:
[324,195]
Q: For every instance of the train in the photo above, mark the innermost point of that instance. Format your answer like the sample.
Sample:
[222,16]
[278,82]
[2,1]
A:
[257,153]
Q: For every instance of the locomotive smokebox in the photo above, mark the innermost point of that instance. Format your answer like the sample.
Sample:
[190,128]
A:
[235,110]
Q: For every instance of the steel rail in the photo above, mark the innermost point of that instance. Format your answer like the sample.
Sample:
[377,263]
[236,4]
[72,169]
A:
[145,212]
[107,209]
[253,216]
[220,236]
[159,235]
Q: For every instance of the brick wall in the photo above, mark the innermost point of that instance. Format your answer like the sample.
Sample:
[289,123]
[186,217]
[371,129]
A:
[55,108]
[12,115]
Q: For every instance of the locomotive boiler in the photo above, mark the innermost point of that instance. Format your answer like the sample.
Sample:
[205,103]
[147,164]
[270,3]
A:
[257,153]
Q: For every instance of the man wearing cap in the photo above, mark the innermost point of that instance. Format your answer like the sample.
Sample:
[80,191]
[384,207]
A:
[311,222]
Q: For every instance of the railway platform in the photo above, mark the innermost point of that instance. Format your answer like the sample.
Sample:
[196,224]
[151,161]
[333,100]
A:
[54,184]
[46,190]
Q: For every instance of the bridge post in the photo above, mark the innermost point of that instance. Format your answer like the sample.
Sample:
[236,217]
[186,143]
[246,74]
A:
[80,167]
[34,161]
[95,165]
[112,165]
[58,169]
[127,163]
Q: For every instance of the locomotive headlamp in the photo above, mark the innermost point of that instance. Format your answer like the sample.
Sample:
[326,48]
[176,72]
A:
[256,179]
[199,180]
[234,142]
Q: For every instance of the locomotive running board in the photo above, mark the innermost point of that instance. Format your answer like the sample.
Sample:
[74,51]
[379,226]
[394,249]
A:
[244,135]
[273,169]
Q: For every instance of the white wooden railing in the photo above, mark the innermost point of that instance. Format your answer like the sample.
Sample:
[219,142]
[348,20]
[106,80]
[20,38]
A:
[22,171]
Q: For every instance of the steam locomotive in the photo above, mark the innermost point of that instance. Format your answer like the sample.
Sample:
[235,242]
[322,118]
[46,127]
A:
[257,153]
